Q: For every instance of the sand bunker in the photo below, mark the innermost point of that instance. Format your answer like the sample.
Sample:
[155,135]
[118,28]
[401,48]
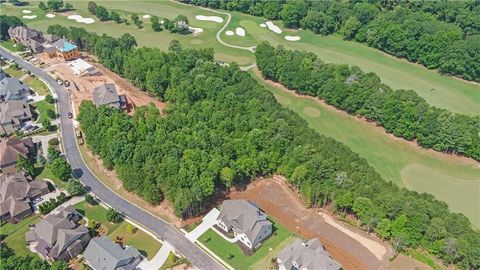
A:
[263,25]
[26,11]
[240,31]
[50,15]
[195,30]
[229,33]
[209,18]
[146,16]
[81,19]
[292,38]
[29,17]
[273,27]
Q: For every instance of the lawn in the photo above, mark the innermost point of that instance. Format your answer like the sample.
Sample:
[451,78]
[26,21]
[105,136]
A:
[10,45]
[239,261]
[450,93]
[173,261]
[147,245]
[452,180]
[96,213]
[38,86]
[15,73]
[15,235]
[46,173]
[42,107]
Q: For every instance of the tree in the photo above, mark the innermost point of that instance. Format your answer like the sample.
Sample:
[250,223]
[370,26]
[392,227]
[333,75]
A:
[114,216]
[42,6]
[49,98]
[59,265]
[46,123]
[134,17]
[156,26]
[115,17]
[131,229]
[68,6]
[61,169]
[51,113]
[102,13]
[89,199]
[351,27]
[25,164]
[292,12]
[174,46]
[75,188]
[92,7]
[54,5]
[227,176]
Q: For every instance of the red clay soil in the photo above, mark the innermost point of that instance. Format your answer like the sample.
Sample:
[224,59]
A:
[284,205]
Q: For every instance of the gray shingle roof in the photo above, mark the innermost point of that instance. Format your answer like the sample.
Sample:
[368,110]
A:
[308,255]
[106,94]
[12,89]
[11,147]
[103,254]
[244,217]
[14,111]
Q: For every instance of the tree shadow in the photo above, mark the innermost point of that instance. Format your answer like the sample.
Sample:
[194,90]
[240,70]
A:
[77,173]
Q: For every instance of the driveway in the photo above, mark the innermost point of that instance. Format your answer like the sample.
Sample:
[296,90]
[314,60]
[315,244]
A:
[192,252]
[44,141]
[207,222]
[158,260]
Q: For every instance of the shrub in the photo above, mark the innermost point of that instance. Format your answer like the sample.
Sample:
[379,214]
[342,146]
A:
[49,98]
[90,199]
[114,216]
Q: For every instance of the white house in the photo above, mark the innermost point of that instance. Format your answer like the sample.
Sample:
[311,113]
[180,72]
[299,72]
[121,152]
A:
[247,222]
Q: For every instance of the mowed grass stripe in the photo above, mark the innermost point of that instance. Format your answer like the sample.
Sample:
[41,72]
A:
[455,180]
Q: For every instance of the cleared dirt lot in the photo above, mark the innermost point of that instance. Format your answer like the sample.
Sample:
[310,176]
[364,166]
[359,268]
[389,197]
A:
[284,205]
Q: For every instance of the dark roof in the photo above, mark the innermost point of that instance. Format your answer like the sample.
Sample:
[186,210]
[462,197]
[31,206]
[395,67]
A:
[308,255]
[106,94]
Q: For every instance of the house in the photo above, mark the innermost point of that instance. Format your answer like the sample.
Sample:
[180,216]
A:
[106,94]
[29,37]
[81,67]
[13,114]
[10,148]
[59,236]
[308,255]
[16,194]
[103,254]
[248,223]
[12,89]
[65,49]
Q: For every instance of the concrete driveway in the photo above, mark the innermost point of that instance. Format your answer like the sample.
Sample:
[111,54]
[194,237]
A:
[159,259]
[43,139]
[207,222]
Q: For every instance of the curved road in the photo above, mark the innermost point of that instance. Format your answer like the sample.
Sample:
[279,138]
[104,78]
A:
[192,252]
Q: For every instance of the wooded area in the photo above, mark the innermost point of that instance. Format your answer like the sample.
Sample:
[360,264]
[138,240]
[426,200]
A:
[442,35]
[222,128]
[401,112]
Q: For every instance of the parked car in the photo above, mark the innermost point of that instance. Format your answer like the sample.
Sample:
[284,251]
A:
[59,81]
[70,115]
[67,83]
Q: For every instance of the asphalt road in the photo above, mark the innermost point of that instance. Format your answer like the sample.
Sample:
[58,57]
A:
[192,252]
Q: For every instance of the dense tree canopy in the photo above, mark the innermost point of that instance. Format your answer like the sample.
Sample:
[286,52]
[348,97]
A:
[444,35]
[401,112]
[222,128]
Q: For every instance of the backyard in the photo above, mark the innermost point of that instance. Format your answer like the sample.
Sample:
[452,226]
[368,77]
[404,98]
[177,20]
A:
[14,235]
[234,256]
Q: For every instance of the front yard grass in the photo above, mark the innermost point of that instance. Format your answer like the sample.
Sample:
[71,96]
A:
[147,245]
[234,256]
[46,173]
[10,45]
[14,235]
[16,73]
[38,86]
[96,213]
[173,261]
[42,107]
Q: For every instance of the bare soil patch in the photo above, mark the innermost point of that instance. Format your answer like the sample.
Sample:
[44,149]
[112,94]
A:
[283,204]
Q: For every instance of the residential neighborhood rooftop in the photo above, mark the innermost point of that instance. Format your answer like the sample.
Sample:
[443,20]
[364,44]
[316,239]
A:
[103,254]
